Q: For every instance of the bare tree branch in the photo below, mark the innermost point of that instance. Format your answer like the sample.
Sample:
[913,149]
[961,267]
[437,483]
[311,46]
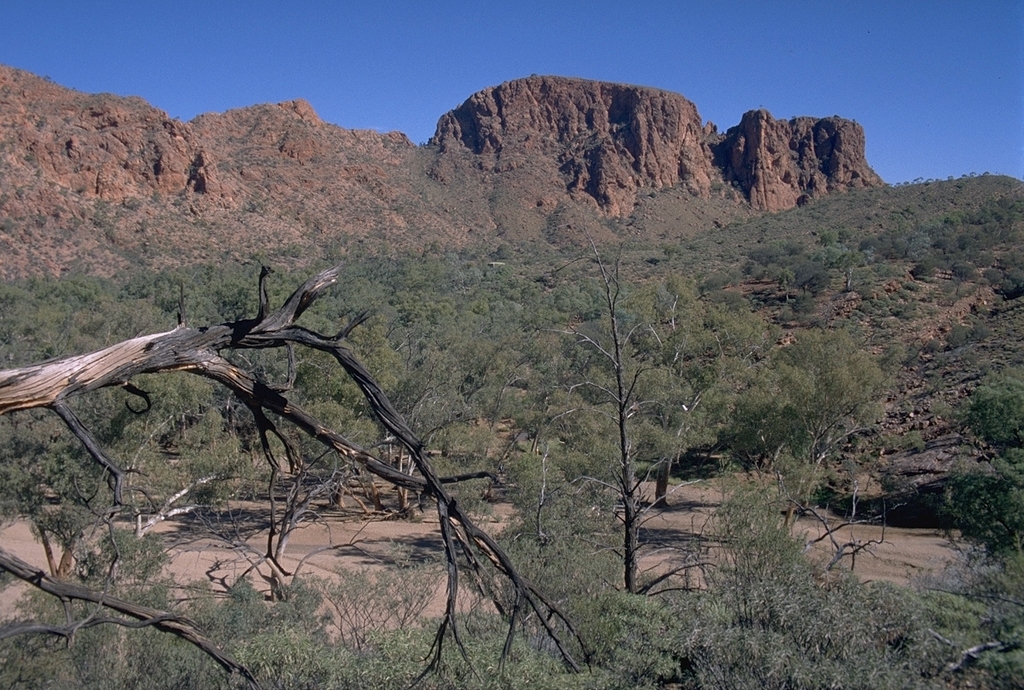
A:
[198,351]
[969,656]
[161,620]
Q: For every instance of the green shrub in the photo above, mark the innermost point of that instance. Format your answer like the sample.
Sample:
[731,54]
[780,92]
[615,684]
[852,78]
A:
[769,621]
[977,601]
[995,411]
[987,503]
[634,639]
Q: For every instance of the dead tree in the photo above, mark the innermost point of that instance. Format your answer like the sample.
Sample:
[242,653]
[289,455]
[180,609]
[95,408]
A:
[54,384]
[612,349]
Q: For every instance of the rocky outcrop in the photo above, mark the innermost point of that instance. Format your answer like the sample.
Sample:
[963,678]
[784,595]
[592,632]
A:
[780,164]
[609,141]
[276,135]
[98,146]
[86,178]
[113,148]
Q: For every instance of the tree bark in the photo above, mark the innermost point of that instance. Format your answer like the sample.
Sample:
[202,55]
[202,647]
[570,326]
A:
[661,481]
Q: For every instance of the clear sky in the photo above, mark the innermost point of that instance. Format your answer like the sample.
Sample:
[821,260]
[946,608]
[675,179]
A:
[937,84]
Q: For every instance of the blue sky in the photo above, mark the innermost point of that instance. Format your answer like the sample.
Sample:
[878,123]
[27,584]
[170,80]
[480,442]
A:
[937,84]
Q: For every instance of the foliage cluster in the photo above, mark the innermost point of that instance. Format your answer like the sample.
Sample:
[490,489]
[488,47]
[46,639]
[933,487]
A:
[986,502]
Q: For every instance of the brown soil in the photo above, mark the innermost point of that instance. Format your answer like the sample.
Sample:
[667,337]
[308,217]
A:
[873,552]
[341,543]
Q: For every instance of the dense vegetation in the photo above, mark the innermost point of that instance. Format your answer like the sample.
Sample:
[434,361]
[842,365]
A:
[779,356]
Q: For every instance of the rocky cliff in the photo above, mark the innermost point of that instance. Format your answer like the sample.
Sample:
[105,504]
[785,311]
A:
[608,141]
[781,164]
[95,145]
[92,180]
[95,182]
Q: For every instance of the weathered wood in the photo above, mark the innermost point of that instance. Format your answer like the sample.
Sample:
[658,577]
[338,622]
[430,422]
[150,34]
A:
[40,385]
[198,351]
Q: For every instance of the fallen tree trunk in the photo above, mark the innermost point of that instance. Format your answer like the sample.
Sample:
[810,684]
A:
[51,385]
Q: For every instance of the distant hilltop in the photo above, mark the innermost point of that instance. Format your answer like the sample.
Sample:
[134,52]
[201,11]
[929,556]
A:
[609,140]
[105,179]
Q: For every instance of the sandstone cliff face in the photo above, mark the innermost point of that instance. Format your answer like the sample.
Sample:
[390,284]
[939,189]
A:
[607,140]
[611,140]
[780,164]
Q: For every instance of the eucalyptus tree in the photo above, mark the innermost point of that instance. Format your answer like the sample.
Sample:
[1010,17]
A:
[986,501]
[813,396]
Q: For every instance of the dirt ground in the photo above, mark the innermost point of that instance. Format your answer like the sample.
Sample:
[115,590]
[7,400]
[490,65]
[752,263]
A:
[872,552]
[340,543]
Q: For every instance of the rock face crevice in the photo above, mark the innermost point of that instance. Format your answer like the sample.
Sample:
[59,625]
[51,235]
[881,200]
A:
[611,140]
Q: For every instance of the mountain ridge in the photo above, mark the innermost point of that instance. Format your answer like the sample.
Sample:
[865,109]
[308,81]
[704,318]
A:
[98,181]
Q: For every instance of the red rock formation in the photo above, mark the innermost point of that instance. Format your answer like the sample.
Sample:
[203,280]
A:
[90,180]
[84,178]
[95,145]
[114,148]
[779,164]
[608,140]
[611,140]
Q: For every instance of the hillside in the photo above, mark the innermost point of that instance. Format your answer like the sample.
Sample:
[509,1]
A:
[528,171]
[99,183]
